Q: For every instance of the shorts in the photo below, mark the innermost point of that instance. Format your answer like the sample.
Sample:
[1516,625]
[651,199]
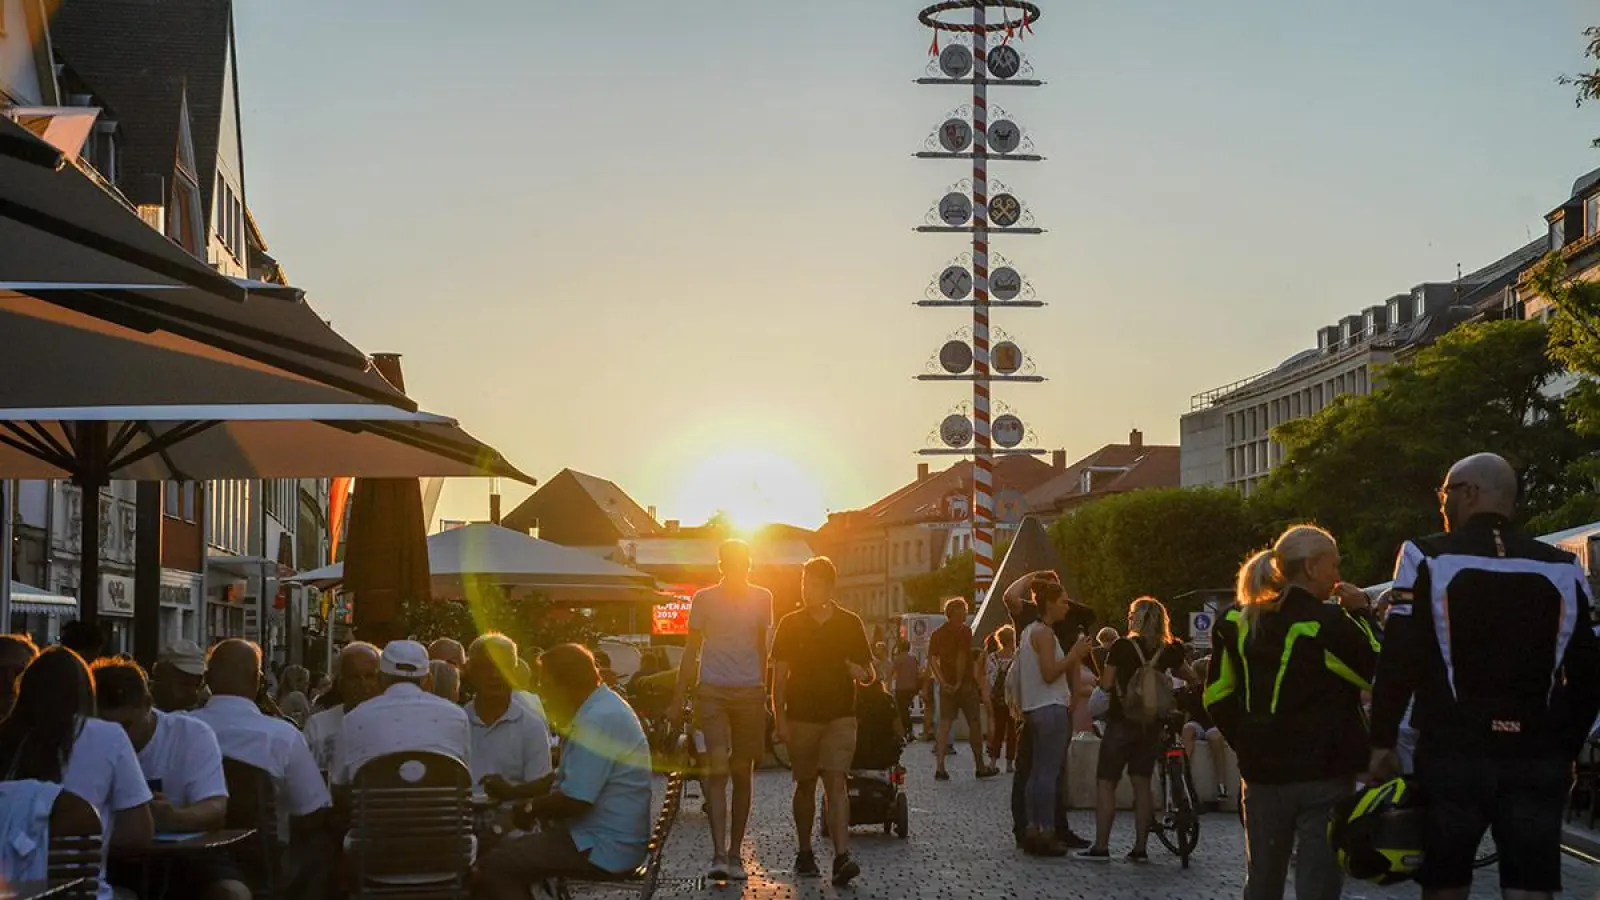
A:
[734,721]
[1520,801]
[1130,747]
[818,747]
[964,700]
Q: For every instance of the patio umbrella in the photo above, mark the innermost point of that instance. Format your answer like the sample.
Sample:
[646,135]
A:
[489,554]
[68,243]
[85,398]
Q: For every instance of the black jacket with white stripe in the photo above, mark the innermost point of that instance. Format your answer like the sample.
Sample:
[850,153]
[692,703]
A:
[1490,631]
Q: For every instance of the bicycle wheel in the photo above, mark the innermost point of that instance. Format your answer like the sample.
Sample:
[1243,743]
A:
[1178,824]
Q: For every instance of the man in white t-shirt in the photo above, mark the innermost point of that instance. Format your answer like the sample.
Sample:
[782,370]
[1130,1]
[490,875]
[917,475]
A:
[273,745]
[725,660]
[182,766]
[356,684]
[510,742]
[405,718]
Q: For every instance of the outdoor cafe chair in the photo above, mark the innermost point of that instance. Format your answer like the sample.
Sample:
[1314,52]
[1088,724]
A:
[74,853]
[411,828]
[252,804]
[648,874]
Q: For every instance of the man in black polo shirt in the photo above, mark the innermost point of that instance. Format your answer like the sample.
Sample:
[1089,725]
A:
[1079,621]
[819,654]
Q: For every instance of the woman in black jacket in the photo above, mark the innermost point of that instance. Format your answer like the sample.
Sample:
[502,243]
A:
[1284,687]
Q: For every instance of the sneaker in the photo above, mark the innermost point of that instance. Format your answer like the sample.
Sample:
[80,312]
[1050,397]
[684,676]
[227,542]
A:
[737,871]
[941,775]
[718,870]
[1096,853]
[805,864]
[1073,842]
[844,868]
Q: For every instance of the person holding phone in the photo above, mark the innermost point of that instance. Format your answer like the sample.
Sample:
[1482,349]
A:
[1079,620]
[819,655]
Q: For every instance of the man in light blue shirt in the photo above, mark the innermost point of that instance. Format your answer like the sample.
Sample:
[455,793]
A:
[597,813]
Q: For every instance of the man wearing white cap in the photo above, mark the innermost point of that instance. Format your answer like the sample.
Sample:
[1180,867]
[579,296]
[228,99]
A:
[177,678]
[405,718]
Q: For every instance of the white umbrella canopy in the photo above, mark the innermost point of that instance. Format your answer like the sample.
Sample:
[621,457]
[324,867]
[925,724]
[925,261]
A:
[490,554]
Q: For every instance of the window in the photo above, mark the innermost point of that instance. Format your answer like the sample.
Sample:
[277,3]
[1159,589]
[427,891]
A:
[170,494]
[897,554]
[1557,227]
[190,492]
[1591,215]
[921,550]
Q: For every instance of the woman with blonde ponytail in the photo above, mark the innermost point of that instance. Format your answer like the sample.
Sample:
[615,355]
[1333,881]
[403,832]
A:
[1289,663]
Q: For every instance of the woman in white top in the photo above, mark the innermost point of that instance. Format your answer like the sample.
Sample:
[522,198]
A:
[1044,693]
[52,735]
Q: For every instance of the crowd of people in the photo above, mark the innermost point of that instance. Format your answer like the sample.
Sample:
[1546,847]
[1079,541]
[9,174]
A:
[148,753]
[1478,676]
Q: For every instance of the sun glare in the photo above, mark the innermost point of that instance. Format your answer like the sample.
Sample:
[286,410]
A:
[754,488]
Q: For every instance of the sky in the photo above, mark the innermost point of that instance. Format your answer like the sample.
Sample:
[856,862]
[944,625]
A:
[671,244]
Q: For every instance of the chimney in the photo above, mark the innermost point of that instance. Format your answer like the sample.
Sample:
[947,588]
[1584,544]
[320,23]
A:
[388,365]
[494,501]
[1136,439]
[922,471]
[652,512]
[1058,460]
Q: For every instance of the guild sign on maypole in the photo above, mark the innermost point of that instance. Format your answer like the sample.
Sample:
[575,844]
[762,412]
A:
[974,44]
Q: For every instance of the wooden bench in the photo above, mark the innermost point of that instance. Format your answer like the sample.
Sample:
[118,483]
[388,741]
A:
[648,874]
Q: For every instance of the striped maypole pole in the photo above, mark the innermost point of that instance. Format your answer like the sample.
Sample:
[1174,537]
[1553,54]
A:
[983,461]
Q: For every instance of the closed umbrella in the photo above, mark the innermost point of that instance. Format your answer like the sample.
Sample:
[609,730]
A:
[387,550]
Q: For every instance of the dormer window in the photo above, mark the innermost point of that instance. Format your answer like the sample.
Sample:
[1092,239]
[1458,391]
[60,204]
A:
[1591,215]
[1557,233]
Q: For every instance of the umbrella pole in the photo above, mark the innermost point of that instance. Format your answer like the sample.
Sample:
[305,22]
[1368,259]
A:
[92,447]
[7,486]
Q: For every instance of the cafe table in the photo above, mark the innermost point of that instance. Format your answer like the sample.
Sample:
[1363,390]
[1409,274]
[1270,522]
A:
[168,848]
[40,890]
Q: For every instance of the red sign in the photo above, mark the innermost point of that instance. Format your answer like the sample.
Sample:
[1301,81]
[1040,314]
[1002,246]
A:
[672,616]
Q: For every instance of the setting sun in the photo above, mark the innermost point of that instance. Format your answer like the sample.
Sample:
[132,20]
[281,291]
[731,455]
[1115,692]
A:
[754,487]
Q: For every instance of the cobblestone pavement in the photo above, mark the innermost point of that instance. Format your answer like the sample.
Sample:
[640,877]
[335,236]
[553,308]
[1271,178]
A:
[960,847]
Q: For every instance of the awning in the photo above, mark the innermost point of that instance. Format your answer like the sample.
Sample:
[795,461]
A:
[29,599]
[65,128]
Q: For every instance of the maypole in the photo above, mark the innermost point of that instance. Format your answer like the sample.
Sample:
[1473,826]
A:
[976,64]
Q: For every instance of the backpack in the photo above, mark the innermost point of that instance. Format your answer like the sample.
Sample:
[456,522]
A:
[1148,698]
[1002,675]
[1012,691]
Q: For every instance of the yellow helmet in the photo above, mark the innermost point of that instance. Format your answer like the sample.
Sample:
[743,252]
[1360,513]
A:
[1377,834]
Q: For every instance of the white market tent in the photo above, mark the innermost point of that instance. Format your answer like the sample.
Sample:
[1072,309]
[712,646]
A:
[490,554]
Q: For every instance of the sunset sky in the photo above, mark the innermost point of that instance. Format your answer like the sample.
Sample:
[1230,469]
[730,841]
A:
[670,243]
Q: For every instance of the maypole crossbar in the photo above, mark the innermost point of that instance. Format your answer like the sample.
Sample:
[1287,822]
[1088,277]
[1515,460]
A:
[978,215]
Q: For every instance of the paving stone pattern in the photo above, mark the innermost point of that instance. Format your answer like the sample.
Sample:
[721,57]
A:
[960,848]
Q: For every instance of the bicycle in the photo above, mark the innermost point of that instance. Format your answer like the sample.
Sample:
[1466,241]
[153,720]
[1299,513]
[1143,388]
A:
[1177,823]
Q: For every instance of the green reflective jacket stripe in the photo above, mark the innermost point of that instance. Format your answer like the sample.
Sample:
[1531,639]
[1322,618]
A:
[1227,681]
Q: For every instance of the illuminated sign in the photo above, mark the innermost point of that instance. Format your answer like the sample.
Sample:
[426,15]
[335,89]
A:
[671,616]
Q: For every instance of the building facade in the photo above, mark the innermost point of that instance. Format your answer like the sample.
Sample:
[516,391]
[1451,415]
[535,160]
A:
[1226,437]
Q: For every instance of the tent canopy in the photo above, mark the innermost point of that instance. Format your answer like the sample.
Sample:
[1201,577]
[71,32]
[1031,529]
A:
[500,556]
[25,598]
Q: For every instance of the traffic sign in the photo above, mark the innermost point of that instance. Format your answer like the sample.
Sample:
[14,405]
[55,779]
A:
[1200,624]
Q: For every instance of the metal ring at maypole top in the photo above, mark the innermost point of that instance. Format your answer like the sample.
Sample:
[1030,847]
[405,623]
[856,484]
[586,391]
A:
[1030,15]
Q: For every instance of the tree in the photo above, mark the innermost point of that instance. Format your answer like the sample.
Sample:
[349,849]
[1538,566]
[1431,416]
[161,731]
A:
[1587,83]
[926,593]
[533,622]
[1161,543]
[1366,467]
[1575,343]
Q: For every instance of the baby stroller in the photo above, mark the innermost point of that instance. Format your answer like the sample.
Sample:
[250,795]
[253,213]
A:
[877,780]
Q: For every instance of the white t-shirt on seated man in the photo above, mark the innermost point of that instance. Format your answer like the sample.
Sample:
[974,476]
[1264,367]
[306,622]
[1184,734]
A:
[104,770]
[246,734]
[405,718]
